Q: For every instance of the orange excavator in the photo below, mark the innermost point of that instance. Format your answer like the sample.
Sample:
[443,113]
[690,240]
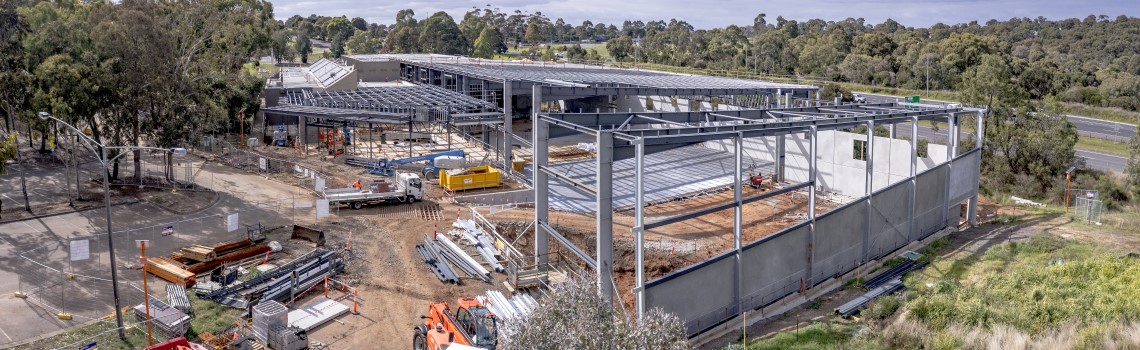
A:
[472,325]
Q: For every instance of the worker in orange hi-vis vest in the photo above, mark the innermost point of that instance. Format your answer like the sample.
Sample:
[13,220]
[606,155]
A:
[357,185]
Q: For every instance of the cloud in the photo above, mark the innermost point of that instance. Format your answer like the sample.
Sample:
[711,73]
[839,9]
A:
[720,13]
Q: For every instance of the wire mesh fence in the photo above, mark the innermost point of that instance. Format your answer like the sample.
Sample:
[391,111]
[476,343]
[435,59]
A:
[73,277]
[1087,210]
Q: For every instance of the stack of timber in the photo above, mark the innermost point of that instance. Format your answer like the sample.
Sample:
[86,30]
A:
[199,253]
[170,271]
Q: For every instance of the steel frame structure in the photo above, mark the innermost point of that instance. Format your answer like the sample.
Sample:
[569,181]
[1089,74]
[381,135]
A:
[626,135]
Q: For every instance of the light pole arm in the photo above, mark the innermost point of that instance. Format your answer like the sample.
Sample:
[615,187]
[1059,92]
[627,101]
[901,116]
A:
[91,144]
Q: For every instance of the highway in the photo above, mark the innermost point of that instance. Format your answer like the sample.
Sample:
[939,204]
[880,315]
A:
[1120,132]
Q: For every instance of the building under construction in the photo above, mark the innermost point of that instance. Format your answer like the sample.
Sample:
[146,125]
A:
[647,139]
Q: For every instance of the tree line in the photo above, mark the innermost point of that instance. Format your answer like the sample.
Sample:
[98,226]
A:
[131,72]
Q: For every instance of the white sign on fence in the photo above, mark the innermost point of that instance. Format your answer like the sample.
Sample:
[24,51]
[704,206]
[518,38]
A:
[80,250]
[319,185]
[263,162]
[232,222]
[322,208]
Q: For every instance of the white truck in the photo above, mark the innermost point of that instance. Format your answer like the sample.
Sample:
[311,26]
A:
[408,189]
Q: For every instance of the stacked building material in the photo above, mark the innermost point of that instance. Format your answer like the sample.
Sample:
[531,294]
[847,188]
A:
[882,284]
[259,283]
[288,338]
[171,321]
[461,259]
[232,256]
[316,313]
[435,263]
[198,253]
[170,271]
[176,297]
[510,308]
[268,315]
[482,243]
[301,278]
[852,306]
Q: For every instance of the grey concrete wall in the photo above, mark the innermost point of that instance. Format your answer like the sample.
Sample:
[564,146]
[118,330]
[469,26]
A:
[702,299]
[963,183]
[889,221]
[375,71]
[839,241]
[930,201]
[773,266]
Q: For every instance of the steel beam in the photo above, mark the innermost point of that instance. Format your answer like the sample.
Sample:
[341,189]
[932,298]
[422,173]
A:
[589,261]
[545,169]
[605,223]
[713,209]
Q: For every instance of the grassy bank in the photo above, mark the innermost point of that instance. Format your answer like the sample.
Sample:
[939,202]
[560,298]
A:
[1043,291]
[1102,146]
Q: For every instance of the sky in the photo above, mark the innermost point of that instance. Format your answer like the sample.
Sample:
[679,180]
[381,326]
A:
[705,14]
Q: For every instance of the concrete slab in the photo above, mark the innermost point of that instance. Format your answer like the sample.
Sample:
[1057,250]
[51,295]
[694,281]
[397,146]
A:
[316,313]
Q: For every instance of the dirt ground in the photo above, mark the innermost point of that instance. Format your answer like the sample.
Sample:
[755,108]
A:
[394,285]
[397,287]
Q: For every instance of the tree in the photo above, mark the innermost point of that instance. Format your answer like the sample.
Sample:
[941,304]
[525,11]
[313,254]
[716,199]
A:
[8,150]
[404,35]
[337,47]
[362,43]
[534,33]
[339,28]
[441,35]
[620,48]
[990,83]
[574,316]
[359,23]
[14,77]
[489,43]
[303,46]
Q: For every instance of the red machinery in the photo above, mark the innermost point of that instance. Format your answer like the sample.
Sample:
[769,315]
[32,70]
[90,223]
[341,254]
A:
[472,325]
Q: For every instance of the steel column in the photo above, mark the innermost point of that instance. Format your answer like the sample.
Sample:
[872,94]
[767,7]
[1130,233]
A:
[508,116]
[812,170]
[737,215]
[972,212]
[870,187]
[639,225]
[951,121]
[910,236]
[605,222]
[781,157]
[540,134]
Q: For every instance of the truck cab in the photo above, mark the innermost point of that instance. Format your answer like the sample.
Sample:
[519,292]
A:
[411,186]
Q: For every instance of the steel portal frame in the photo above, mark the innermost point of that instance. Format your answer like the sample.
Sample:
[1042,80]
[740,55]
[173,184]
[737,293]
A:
[617,138]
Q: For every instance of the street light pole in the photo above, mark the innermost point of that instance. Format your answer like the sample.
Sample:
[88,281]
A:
[107,206]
